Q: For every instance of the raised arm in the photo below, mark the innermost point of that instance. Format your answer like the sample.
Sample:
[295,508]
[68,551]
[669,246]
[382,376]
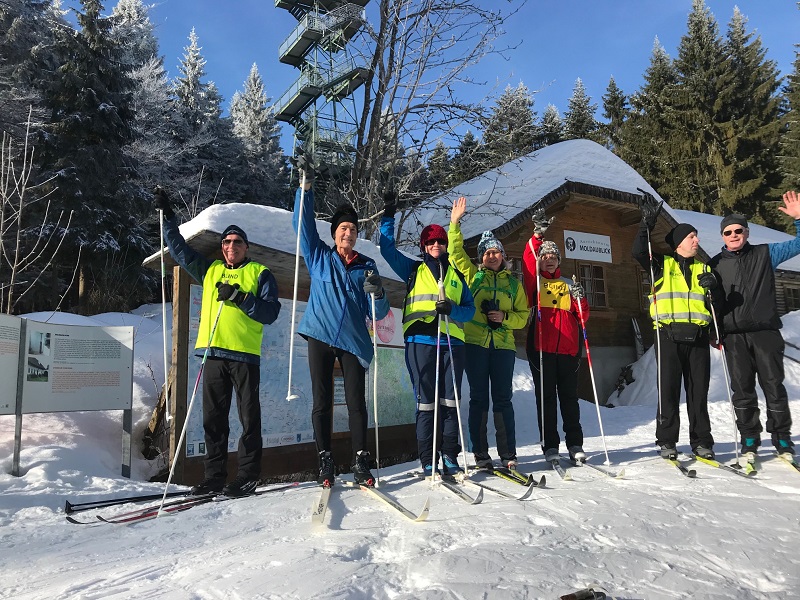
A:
[783,251]
[455,242]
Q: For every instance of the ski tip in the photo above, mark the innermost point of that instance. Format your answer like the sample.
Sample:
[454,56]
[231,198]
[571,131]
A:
[479,497]
[542,482]
[67,507]
[425,511]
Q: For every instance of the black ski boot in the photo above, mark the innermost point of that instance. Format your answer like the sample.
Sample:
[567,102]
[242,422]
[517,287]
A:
[361,472]
[327,470]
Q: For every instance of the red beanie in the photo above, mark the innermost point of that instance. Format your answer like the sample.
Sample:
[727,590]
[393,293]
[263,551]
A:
[432,232]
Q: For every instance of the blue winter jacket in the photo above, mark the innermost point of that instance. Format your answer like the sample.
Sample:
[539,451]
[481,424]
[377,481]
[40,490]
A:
[337,305]
[404,266]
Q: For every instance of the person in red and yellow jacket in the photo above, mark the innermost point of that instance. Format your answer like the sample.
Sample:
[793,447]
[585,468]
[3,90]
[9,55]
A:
[557,312]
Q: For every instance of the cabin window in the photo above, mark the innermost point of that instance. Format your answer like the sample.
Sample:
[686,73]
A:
[515,266]
[644,290]
[792,295]
[593,280]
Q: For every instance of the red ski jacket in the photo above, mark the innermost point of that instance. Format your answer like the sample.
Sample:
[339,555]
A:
[560,318]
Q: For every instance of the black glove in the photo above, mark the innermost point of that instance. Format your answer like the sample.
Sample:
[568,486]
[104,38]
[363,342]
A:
[488,306]
[305,165]
[226,291]
[650,209]
[444,307]
[389,203]
[373,284]
[708,280]
[577,291]
[541,222]
[161,202]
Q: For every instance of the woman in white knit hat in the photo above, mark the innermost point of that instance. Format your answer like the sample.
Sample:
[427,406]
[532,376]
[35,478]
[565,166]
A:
[491,349]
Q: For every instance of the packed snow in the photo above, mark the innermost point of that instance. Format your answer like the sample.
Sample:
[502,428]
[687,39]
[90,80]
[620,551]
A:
[654,534]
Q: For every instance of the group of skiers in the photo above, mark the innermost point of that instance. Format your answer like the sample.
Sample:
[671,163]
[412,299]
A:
[459,316]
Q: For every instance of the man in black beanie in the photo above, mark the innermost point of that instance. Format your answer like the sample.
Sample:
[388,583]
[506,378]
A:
[751,327]
[345,288]
[681,314]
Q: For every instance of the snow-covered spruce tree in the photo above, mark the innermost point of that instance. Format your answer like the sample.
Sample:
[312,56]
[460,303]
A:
[211,161]
[257,130]
[696,117]
[615,108]
[510,129]
[83,152]
[467,162]
[750,177]
[790,140]
[133,31]
[645,133]
[440,168]
[551,129]
[26,48]
[579,121]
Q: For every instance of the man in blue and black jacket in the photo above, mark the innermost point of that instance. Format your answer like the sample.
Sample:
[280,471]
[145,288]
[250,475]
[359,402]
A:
[751,328]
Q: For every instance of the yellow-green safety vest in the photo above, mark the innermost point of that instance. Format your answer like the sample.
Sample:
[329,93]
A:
[421,300]
[675,301]
[236,331]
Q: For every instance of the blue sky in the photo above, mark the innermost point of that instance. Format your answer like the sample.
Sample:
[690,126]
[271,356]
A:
[558,41]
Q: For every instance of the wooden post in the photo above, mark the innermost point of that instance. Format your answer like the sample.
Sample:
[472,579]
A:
[180,360]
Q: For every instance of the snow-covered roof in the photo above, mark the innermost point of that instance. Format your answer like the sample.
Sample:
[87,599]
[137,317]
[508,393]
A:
[496,197]
[266,226]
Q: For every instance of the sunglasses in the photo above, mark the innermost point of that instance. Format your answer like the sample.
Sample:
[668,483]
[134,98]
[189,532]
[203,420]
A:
[235,242]
[437,241]
[730,232]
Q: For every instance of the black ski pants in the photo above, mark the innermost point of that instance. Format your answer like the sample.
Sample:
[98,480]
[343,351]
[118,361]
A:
[690,362]
[220,378]
[758,353]
[321,357]
[560,390]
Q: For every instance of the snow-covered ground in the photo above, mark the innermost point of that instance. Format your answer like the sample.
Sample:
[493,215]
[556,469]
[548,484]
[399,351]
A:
[654,534]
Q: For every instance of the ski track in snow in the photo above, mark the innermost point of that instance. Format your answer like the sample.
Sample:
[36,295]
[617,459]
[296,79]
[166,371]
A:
[653,535]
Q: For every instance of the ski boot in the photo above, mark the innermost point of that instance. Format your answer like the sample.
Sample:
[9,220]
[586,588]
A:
[361,472]
[327,469]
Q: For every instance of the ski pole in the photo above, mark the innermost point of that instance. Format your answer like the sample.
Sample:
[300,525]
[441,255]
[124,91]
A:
[724,360]
[591,373]
[167,414]
[191,403]
[657,330]
[455,393]
[435,459]
[289,395]
[375,390]
[539,328]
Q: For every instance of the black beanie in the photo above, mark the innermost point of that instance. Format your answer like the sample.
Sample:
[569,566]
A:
[731,220]
[678,234]
[344,214]
[236,230]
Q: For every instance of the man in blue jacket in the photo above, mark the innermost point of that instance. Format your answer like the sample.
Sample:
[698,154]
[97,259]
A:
[334,324]
[751,328]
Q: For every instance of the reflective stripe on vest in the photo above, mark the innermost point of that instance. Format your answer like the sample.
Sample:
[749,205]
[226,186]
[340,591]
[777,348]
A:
[674,301]
[421,300]
[236,331]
